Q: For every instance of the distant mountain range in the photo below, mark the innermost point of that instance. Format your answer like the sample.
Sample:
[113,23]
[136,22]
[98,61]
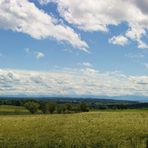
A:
[107,98]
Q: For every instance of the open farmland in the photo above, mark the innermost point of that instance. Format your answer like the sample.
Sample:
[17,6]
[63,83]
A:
[93,129]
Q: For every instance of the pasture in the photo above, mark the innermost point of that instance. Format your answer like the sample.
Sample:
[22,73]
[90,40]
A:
[107,129]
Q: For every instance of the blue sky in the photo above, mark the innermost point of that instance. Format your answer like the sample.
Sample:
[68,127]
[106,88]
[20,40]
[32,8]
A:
[53,37]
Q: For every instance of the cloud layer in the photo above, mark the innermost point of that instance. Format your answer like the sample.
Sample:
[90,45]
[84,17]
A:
[23,16]
[86,81]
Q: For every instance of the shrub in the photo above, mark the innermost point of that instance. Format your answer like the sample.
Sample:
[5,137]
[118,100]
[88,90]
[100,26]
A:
[44,107]
[83,107]
[63,109]
[68,107]
[59,109]
[32,106]
[51,107]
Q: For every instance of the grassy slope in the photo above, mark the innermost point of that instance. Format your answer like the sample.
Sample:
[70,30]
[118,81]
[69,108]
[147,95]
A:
[93,129]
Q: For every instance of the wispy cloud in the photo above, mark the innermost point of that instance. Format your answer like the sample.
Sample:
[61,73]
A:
[37,54]
[146,65]
[136,55]
[85,64]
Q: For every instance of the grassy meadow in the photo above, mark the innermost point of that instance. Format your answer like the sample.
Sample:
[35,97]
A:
[105,129]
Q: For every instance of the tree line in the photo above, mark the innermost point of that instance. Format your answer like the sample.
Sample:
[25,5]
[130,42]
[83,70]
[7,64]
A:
[61,105]
[52,107]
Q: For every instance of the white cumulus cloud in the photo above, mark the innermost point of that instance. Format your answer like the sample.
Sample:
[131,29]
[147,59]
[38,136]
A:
[39,55]
[98,15]
[118,40]
[23,16]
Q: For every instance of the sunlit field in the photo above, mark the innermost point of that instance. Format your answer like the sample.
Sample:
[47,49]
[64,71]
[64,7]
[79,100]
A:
[108,129]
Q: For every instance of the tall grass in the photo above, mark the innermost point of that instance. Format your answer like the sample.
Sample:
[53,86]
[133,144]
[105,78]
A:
[93,129]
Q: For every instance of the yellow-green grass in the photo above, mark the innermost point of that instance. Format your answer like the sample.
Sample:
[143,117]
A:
[123,110]
[91,129]
[10,109]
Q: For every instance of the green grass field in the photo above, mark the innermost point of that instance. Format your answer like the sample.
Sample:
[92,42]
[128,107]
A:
[108,129]
[11,110]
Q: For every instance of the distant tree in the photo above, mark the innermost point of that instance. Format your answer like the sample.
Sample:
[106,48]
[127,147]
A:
[114,107]
[68,107]
[59,109]
[32,106]
[63,109]
[103,107]
[51,107]
[83,107]
[75,109]
[44,107]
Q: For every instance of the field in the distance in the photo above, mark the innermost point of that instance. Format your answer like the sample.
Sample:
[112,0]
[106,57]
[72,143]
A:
[11,110]
[128,129]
